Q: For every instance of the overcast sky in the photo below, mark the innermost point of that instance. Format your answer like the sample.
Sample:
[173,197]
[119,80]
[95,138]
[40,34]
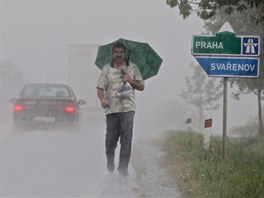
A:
[35,35]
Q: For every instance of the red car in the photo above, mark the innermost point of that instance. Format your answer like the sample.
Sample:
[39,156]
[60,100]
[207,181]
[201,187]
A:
[45,106]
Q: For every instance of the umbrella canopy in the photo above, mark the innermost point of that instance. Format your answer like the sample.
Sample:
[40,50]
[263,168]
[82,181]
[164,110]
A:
[146,59]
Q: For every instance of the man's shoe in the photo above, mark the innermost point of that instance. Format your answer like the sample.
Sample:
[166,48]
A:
[110,166]
[123,172]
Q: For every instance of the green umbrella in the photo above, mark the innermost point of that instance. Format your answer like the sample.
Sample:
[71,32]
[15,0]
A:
[147,60]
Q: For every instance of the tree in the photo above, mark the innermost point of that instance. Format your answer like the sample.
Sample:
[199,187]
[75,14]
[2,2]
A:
[10,78]
[242,25]
[240,14]
[206,9]
[202,92]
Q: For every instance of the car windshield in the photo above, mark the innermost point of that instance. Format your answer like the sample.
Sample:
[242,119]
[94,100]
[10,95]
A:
[45,91]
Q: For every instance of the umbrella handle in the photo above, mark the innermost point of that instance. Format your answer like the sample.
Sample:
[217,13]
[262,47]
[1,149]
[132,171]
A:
[123,71]
[128,57]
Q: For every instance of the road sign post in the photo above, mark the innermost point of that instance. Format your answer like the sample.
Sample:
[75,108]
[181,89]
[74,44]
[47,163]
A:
[227,55]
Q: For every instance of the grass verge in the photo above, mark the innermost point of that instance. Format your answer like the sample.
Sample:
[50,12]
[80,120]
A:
[203,173]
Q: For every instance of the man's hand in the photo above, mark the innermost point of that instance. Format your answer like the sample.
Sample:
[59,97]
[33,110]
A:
[134,83]
[104,103]
[127,78]
[101,96]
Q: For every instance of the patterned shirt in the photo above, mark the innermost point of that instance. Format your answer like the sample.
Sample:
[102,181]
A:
[110,80]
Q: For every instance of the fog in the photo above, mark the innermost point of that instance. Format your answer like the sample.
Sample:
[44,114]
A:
[35,36]
[35,40]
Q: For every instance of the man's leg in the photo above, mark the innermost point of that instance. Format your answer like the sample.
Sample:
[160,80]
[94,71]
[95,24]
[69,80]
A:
[126,131]
[111,139]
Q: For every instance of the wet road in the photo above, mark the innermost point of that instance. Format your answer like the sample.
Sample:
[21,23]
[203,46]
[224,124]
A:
[57,164]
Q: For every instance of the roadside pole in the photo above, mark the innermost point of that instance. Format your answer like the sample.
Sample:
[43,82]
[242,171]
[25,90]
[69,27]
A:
[224,117]
[207,132]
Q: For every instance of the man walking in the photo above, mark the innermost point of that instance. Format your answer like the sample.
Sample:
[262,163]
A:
[115,90]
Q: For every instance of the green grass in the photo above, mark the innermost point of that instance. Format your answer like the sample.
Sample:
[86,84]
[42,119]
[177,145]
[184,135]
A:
[203,173]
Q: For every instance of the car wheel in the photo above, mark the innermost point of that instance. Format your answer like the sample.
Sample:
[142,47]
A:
[76,125]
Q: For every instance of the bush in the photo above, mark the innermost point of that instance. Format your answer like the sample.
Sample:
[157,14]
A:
[203,173]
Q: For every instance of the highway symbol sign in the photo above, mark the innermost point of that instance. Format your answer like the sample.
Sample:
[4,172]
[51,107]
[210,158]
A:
[250,45]
[225,44]
[229,66]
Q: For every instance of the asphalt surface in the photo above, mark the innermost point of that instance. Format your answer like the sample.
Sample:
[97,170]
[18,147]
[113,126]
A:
[57,164]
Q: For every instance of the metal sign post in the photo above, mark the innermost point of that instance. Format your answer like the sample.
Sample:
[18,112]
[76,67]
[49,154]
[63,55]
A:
[224,117]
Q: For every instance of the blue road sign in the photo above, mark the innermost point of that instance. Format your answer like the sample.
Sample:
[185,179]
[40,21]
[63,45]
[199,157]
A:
[250,45]
[229,66]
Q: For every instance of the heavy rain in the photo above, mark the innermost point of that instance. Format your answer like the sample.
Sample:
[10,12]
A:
[49,41]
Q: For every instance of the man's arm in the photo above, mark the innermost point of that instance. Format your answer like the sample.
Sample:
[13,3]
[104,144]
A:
[102,98]
[134,83]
